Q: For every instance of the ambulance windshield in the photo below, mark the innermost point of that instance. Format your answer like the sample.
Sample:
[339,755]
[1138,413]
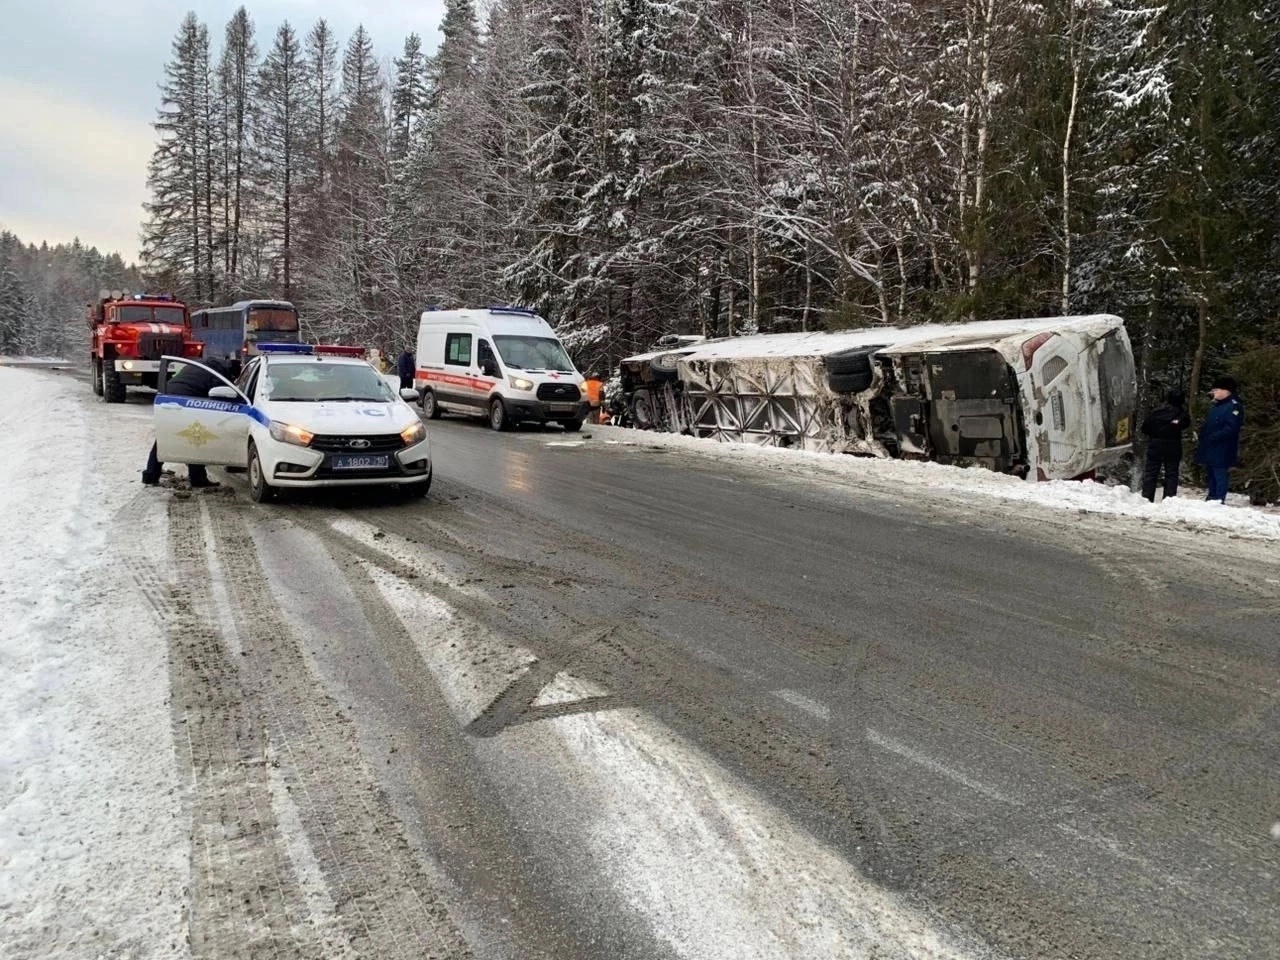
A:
[533,353]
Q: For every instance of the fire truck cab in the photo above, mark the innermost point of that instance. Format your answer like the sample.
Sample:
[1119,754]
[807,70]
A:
[131,332]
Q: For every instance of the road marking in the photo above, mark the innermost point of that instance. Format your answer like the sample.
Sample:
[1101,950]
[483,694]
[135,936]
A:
[915,756]
[823,712]
[797,699]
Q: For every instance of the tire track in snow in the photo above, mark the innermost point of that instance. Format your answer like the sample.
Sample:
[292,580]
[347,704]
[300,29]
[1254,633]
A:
[244,899]
[385,905]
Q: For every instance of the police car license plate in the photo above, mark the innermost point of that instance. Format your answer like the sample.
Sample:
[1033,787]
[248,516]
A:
[365,462]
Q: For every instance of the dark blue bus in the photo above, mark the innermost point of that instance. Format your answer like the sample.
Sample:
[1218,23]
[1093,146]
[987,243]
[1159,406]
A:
[236,330]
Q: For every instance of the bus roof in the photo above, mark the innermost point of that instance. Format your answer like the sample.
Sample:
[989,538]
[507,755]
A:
[247,304]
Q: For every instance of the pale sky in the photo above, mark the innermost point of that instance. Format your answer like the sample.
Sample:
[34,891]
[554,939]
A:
[79,90]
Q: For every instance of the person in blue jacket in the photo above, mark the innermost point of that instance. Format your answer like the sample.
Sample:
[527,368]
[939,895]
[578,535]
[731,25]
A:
[1219,442]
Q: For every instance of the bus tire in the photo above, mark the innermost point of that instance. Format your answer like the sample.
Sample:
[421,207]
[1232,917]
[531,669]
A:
[664,367]
[849,382]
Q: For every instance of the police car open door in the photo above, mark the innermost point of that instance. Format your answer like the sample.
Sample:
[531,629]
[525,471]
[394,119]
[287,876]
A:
[209,430]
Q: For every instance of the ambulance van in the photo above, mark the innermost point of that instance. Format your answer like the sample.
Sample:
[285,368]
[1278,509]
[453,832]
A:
[502,363]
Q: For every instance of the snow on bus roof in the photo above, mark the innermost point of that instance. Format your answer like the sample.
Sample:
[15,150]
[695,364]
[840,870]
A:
[932,335]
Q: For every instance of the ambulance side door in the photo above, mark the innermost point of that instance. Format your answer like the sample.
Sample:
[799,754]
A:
[207,430]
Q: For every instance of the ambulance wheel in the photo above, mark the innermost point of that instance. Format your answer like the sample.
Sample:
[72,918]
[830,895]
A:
[498,415]
[430,409]
[113,390]
[97,376]
[259,489]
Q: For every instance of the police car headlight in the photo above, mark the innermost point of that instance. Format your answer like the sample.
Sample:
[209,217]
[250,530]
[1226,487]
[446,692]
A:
[414,433]
[520,383]
[289,433]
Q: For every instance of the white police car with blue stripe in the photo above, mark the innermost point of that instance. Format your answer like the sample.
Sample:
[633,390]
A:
[298,417]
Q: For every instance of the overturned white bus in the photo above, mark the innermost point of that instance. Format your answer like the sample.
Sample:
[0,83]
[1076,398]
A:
[1041,398]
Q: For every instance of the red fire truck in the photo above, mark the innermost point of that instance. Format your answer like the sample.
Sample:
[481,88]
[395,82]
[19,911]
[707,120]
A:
[131,331]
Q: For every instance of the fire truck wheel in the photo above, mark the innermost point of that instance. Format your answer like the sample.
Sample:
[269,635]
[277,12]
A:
[96,367]
[430,409]
[113,390]
[259,489]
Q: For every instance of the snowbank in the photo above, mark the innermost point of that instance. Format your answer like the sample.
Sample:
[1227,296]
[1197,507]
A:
[93,847]
[1187,510]
[33,361]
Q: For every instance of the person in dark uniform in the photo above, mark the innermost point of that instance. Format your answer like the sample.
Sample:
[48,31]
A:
[190,381]
[405,367]
[1219,443]
[1163,429]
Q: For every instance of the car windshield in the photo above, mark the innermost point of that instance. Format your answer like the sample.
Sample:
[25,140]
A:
[314,382]
[147,314]
[533,353]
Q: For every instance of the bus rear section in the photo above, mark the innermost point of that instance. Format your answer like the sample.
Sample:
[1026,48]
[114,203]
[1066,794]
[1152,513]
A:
[269,321]
[1051,401]
[236,330]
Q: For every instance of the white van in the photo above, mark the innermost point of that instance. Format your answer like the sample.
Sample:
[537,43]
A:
[503,363]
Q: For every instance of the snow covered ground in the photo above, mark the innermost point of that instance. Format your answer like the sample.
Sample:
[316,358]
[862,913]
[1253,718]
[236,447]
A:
[1187,511]
[93,844]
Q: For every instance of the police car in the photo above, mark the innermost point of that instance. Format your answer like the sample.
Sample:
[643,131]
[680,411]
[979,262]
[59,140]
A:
[300,416]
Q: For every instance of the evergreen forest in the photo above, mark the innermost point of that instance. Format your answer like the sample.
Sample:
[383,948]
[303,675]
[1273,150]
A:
[632,168]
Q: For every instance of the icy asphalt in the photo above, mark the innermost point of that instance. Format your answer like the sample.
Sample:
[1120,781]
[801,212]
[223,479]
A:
[606,697]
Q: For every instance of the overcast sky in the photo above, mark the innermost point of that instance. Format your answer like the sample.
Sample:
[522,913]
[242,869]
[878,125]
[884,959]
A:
[78,93]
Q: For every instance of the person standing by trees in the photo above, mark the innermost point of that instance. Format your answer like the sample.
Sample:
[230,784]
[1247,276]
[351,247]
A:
[1163,429]
[1220,436]
[405,367]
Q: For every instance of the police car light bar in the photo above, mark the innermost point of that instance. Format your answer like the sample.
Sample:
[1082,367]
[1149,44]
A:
[339,350]
[304,348]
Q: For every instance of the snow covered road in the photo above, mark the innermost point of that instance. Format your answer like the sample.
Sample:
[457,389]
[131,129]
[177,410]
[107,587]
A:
[620,697]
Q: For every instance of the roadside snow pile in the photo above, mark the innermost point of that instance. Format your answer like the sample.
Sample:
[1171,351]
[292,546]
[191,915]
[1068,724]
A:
[32,361]
[92,848]
[1236,517]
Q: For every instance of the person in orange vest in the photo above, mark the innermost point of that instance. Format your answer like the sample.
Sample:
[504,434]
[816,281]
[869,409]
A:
[593,387]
